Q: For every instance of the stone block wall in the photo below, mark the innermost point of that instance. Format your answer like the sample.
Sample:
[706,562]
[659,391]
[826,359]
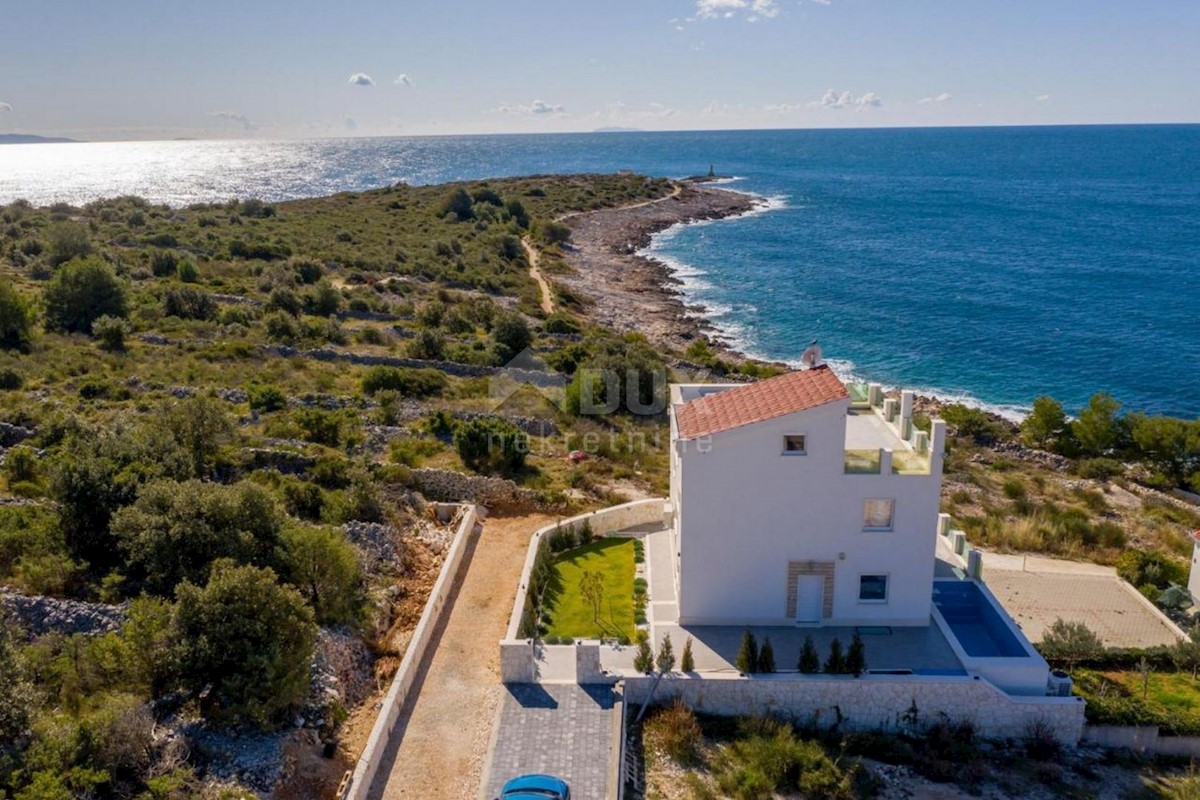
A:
[871,703]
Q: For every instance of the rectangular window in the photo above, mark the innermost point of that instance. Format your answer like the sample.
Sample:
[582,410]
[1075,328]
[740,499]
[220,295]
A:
[877,515]
[793,444]
[872,588]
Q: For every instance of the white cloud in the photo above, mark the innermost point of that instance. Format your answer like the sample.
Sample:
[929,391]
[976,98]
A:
[403,80]
[944,97]
[836,100]
[537,108]
[726,9]
[5,107]
[781,108]
[361,79]
[715,109]
[1041,98]
[233,116]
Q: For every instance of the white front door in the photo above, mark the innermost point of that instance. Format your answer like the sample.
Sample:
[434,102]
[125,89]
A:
[810,597]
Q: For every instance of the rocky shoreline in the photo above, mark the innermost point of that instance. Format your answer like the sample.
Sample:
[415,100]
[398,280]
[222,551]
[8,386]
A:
[633,292]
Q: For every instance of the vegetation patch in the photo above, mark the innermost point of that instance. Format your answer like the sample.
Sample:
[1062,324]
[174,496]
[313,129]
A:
[591,592]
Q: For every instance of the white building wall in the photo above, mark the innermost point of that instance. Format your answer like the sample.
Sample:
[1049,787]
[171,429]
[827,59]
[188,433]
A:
[744,510]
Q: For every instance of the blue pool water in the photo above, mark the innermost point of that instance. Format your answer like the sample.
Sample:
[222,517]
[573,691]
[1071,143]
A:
[975,622]
[992,264]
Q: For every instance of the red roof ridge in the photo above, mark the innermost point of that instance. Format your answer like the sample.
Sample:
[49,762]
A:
[756,402]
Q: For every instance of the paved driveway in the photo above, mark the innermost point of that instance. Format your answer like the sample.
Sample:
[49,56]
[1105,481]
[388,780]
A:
[561,729]
[1036,591]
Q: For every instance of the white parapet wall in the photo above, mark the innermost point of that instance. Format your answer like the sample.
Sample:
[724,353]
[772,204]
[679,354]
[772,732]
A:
[871,703]
[602,523]
[360,781]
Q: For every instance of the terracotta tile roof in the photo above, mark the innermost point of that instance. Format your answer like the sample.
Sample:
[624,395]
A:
[755,402]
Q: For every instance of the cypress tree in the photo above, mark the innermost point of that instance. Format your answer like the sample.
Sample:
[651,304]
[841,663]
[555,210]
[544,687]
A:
[644,660]
[810,660]
[747,657]
[766,657]
[687,663]
[666,655]
[856,656]
[836,663]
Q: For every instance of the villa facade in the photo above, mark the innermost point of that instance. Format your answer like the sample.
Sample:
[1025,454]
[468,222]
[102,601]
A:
[793,503]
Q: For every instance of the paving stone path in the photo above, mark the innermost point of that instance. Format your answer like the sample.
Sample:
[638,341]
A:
[560,729]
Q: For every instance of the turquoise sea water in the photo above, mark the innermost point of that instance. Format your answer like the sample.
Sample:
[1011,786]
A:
[993,264]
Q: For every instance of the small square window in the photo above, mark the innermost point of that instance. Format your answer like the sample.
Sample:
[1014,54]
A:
[872,588]
[794,444]
[878,514]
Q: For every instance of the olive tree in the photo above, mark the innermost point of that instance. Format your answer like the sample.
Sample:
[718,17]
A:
[244,642]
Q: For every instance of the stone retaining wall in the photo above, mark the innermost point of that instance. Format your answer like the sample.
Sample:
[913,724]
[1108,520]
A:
[871,703]
[447,485]
[1142,739]
[360,781]
[537,378]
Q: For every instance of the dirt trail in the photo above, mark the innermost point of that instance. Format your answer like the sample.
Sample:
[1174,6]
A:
[446,729]
[531,254]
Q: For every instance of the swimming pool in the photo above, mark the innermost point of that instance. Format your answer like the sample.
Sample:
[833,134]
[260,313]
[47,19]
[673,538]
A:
[978,626]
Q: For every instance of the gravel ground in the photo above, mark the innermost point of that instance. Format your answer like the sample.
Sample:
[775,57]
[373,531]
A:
[446,729]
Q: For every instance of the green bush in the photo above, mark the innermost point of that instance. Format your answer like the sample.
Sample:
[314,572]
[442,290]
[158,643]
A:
[835,663]
[412,450]
[407,382]
[768,758]
[1160,570]
[10,380]
[80,293]
[267,398]
[68,241]
[973,424]
[174,531]
[324,568]
[187,302]
[111,331]
[246,641]
[1100,469]
[16,319]
[187,271]
[491,445]
[675,731]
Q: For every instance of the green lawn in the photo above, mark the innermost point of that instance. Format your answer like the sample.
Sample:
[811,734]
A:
[570,614]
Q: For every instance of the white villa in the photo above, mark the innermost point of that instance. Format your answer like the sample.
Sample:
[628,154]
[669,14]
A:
[801,508]
[794,504]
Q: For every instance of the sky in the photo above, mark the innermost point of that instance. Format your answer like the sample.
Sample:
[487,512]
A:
[155,69]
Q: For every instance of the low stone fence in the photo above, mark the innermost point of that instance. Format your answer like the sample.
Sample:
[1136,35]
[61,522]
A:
[535,377]
[1141,739]
[875,703]
[360,780]
[603,522]
[492,492]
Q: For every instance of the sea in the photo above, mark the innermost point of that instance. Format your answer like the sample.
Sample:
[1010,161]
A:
[984,265]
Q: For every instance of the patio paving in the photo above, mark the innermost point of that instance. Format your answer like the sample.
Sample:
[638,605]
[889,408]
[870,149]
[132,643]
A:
[1036,591]
[559,729]
[715,647]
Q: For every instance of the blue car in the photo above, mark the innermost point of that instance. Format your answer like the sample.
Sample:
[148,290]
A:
[536,787]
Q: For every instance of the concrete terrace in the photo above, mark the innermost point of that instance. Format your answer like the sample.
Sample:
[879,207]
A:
[923,650]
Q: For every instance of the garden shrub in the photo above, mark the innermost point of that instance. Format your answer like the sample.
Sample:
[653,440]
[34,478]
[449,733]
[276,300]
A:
[674,731]
[407,382]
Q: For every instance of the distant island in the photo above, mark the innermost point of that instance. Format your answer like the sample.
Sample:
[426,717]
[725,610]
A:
[24,138]
[619,130]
